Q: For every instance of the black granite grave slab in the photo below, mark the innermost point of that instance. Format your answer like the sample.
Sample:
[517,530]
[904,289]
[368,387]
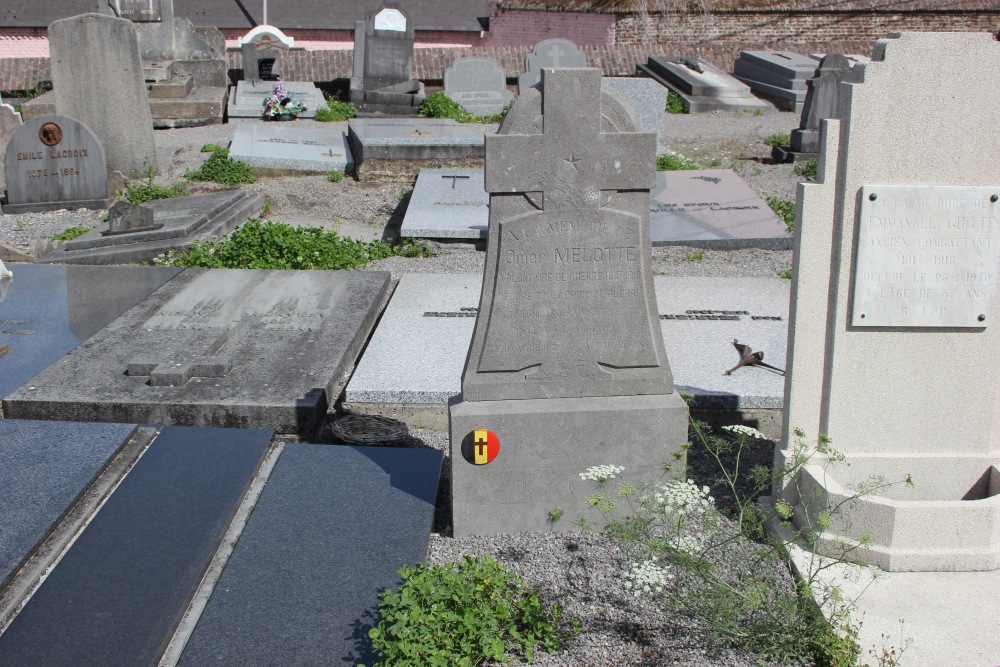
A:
[44,468]
[217,348]
[118,593]
[327,535]
[46,311]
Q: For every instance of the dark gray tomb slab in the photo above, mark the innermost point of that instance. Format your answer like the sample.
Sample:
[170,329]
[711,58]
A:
[566,349]
[478,84]
[383,62]
[549,53]
[47,310]
[247,98]
[391,147]
[280,148]
[45,467]
[84,49]
[327,535]
[55,162]
[702,85]
[10,121]
[117,595]
[171,224]
[777,75]
[223,348]
[822,101]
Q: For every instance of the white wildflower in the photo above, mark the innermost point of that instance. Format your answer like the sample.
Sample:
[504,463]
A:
[647,577]
[748,431]
[601,473]
[683,498]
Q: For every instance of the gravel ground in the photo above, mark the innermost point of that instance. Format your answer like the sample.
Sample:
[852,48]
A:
[583,572]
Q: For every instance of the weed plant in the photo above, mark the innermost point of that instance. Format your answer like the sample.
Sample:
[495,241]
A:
[138,192]
[784,209]
[785,272]
[439,105]
[675,103]
[464,614]
[778,140]
[275,245]
[336,110]
[718,565]
[335,176]
[675,162]
[807,168]
[695,256]
[218,168]
[71,233]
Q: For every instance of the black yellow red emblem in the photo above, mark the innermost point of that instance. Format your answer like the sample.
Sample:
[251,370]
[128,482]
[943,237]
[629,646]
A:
[480,447]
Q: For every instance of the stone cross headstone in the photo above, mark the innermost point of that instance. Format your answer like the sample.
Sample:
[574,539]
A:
[262,50]
[478,84]
[54,162]
[10,120]
[387,55]
[894,315]
[567,349]
[549,53]
[822,100]
[97,78]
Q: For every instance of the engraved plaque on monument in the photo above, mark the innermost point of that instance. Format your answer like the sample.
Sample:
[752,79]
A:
[927,256]
[144,11]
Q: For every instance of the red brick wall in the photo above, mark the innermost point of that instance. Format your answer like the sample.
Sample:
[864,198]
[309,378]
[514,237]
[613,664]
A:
[518,27]
[333,40]
[24,43]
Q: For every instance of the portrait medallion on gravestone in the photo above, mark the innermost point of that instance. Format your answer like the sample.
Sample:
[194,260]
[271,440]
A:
[568,308]
[927,256]
[54,162]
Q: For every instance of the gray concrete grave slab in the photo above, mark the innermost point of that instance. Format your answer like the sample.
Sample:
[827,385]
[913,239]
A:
[10,120]
[47,310]
[121,589]
[45,467]
[554,52]
[447,203]
[178,223]
[777,75]
[83,48]
[55,162]
[478,84]
[223,348]
[398,147]
[326,536]
[712,208]
[647,98]
[699,318]
[290,147]
[703,86]
[247,98]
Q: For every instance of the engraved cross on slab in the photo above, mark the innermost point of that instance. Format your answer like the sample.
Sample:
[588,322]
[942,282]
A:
[453,178]
[176,368]
[572,160]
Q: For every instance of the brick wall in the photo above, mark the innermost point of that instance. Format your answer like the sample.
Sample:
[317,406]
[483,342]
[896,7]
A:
[24,43]
[520,27]
[334,40]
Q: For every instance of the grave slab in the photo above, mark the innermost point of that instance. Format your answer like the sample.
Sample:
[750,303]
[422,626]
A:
[120,590]
[284,147]
[326,536]
[45,467]
[699,318]
[703,86]
[403,146]
[178,223]
[712,208]
[47,310]
[246,99]
[222,348]
[778,75]
[448,203]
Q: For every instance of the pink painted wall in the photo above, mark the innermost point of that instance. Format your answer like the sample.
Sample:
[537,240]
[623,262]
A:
[24,43]
[519,27]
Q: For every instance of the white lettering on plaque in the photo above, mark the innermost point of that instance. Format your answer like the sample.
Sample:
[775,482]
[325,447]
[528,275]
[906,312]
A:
[927,256]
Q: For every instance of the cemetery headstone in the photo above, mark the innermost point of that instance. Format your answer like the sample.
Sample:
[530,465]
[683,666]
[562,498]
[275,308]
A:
[141,233]
[777,75]
[566,350]
[383,62]
[262,49]
[894,309]
[54,162]
[233,348]
[703,86]
[116,108]
[10,120]
[712,208]
[822,101]
[282,147]
[478,84]
[647,98]
[554,52]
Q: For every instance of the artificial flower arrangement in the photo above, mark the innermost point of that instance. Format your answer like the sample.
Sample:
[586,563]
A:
[279,104]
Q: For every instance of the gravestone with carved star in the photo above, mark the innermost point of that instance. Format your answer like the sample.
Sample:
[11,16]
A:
[566,368]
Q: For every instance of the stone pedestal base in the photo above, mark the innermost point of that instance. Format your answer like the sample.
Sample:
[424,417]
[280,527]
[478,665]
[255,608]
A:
[544,446]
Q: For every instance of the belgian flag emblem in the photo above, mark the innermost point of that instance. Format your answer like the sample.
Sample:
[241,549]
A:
[480,447]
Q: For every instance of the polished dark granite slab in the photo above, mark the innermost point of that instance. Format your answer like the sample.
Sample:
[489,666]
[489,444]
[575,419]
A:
[327,535]
[117,595]
[44,467]
[47,310]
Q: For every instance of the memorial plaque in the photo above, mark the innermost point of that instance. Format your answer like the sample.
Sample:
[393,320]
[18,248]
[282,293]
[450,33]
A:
[927,256]
[479,85]
[138,10]
[55,162]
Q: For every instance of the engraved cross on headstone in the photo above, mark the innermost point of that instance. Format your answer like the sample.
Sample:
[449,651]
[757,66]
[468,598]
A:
[557,55]
[572,160]
[175,368]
